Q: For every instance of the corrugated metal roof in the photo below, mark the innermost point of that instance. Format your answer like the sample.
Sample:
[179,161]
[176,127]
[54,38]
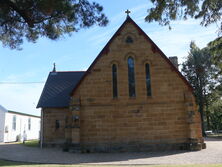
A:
[57,89]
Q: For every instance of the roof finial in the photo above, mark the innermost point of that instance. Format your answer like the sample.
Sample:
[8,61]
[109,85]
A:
[54,67]
[127,12]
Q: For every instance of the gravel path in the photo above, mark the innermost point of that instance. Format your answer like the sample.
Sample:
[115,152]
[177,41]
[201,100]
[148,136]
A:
[17,152]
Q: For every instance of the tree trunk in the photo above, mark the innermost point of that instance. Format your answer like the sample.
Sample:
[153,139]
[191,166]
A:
[201,106]
[206,100]
[208,118]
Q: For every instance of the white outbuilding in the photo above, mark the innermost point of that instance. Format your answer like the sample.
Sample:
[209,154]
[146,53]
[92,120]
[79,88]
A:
[16,126]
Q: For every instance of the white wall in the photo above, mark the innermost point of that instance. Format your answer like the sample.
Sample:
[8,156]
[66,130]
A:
[2,122]
[22,132]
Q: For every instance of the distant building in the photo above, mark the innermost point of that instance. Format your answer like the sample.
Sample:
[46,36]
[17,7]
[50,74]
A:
[16,126]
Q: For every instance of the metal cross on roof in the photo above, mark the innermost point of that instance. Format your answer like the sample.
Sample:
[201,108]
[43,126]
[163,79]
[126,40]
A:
[127,12]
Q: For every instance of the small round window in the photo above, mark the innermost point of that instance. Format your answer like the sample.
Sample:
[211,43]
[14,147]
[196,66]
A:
[129,39]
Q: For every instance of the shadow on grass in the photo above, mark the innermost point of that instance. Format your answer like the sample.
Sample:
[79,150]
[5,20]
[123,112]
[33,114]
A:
[31,143]
[11,163]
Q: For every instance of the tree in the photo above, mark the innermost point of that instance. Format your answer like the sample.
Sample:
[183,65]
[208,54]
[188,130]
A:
[32,19]
[165,11]
[215,48]
[215,108]
[199,71]
[216,117]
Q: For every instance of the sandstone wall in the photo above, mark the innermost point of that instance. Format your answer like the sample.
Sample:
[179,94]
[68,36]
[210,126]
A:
[51,134]
[160,120]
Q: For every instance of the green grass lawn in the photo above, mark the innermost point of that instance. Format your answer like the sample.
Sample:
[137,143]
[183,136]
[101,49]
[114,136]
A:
[217,135]
[31,143]
[19,164]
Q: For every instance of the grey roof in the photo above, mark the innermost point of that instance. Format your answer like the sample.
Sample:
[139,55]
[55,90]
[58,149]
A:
[25,114]
[15,112]
[57,89]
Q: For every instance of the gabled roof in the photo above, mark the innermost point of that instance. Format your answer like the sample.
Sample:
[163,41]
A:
[58,87]
[155,49]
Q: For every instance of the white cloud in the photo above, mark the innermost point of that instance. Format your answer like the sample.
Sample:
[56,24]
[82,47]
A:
[19,77]
[176,42]
[21,98]
[98,36]
[100,39]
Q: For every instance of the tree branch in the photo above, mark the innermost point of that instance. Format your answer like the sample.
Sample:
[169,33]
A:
[22,13]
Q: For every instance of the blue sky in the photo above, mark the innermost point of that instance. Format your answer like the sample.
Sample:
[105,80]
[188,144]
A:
[77,52]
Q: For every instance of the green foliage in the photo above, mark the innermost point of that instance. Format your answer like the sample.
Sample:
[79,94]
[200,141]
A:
[31,143]
[202,74]
[15,164]
[32,19]
[165,11]
[199,70]
[215,48]
[216,115]
[214,99]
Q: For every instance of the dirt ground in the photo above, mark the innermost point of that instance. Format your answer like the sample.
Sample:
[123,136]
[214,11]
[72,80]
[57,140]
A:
[19,152]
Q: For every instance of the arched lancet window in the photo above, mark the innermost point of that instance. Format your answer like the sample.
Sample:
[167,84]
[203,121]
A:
[148,80]
[114,77]
[131,77]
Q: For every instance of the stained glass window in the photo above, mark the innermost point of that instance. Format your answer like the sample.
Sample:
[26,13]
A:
[114,76]
[131,77]
[148,80]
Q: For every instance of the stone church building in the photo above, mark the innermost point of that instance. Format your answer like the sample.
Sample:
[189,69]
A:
[131,98]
